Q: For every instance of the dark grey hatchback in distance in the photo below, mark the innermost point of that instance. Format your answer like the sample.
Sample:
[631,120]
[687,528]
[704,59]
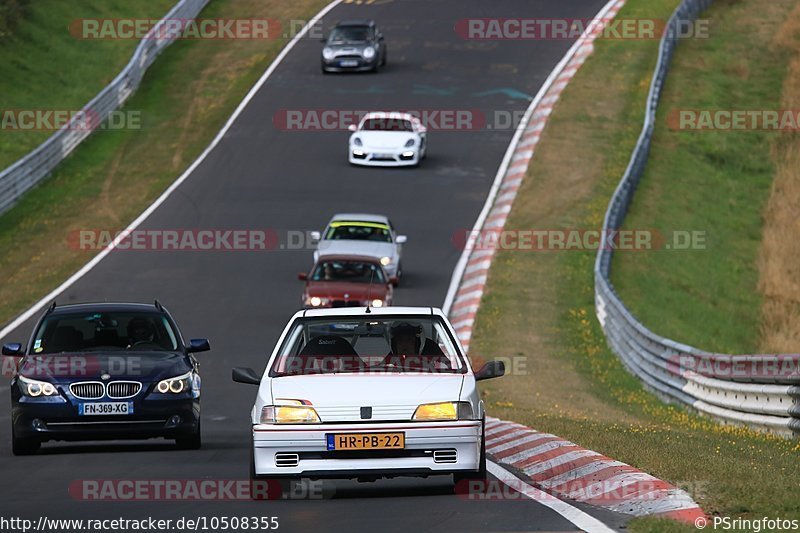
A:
[355,45]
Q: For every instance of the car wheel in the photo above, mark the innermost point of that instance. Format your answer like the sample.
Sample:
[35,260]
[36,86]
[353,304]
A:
[383,60]
[190,442]
[21,446]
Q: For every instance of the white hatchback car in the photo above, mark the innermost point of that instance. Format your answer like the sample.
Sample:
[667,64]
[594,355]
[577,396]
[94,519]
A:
[362,234]
[387,139]
[366,394]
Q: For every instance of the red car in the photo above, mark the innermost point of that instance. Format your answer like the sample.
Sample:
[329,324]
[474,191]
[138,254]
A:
[347,281]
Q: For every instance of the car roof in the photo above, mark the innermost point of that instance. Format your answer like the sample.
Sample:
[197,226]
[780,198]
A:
[359,217]
[364,22]
[106,307]
[350,257]
[391,115]
[373,311]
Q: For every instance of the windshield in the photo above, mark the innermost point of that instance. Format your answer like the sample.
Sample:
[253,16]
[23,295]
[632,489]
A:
[348,271]
[350,34]
[359,231]
[366,345]
[87,332]
[387,124]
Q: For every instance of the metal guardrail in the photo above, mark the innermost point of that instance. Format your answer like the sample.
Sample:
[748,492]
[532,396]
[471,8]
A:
[27,172]
[761,391]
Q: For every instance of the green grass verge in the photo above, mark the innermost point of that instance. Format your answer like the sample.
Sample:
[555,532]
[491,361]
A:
[43,66]
[185,98]
[715,182]
[539,306]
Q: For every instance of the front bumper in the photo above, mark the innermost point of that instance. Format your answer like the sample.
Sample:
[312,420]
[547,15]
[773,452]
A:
[383,157]
[422,439]
[349,64]
[59,420]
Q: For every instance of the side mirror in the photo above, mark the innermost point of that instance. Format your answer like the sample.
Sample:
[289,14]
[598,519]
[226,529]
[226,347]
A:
[394,280]
[492,369]
[245,375]
[198,345]
[422,129]
[13,348]
[401,239]
[352,127]
[315,236]
[302,276]
[323,40]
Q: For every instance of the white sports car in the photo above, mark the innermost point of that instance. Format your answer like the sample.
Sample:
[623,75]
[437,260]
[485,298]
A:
[362,234]
[387,140]
[365,394]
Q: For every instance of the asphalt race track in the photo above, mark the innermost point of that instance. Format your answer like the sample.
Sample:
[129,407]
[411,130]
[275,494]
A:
[260,177]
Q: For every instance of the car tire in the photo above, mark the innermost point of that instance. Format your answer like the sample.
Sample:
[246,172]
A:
[190,442]
[383,60]
[24,446]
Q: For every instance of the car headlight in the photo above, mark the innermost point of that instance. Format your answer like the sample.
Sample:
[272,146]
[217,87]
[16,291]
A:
[34,388]
[357,141]
[289,414]
[175,385]
[368,52]
[377,302]
[327,53]
[444,411]
[410,143]
[316,301]
[386,261]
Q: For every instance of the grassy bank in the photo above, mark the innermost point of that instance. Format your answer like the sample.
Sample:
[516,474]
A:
[717,182]
[539,305]
[185,98]
[43,66]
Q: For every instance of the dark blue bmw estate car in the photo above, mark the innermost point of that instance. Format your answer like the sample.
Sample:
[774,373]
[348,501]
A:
[105,371]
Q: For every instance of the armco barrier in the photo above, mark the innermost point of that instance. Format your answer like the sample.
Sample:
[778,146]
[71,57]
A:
[17,179]
[760,391]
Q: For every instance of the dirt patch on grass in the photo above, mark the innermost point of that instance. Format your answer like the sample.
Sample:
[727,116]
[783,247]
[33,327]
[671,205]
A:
[779,257]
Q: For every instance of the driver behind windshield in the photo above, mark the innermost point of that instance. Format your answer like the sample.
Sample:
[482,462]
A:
[411,350]
[140,331]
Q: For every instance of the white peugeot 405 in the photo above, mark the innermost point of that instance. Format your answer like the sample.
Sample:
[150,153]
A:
[387,140]
[366,394]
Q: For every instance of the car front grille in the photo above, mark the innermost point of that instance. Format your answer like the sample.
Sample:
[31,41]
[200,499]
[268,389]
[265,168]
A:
[94,390]
[118,390]
[346,303]
[88,390]
[286,459]
[445,456]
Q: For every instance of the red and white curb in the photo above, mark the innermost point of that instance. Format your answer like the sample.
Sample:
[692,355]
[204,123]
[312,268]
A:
[565,470]
[469,278]
[551,465]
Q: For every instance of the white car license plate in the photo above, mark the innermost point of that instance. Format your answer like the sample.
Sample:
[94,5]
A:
[349,63]
[105,408]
